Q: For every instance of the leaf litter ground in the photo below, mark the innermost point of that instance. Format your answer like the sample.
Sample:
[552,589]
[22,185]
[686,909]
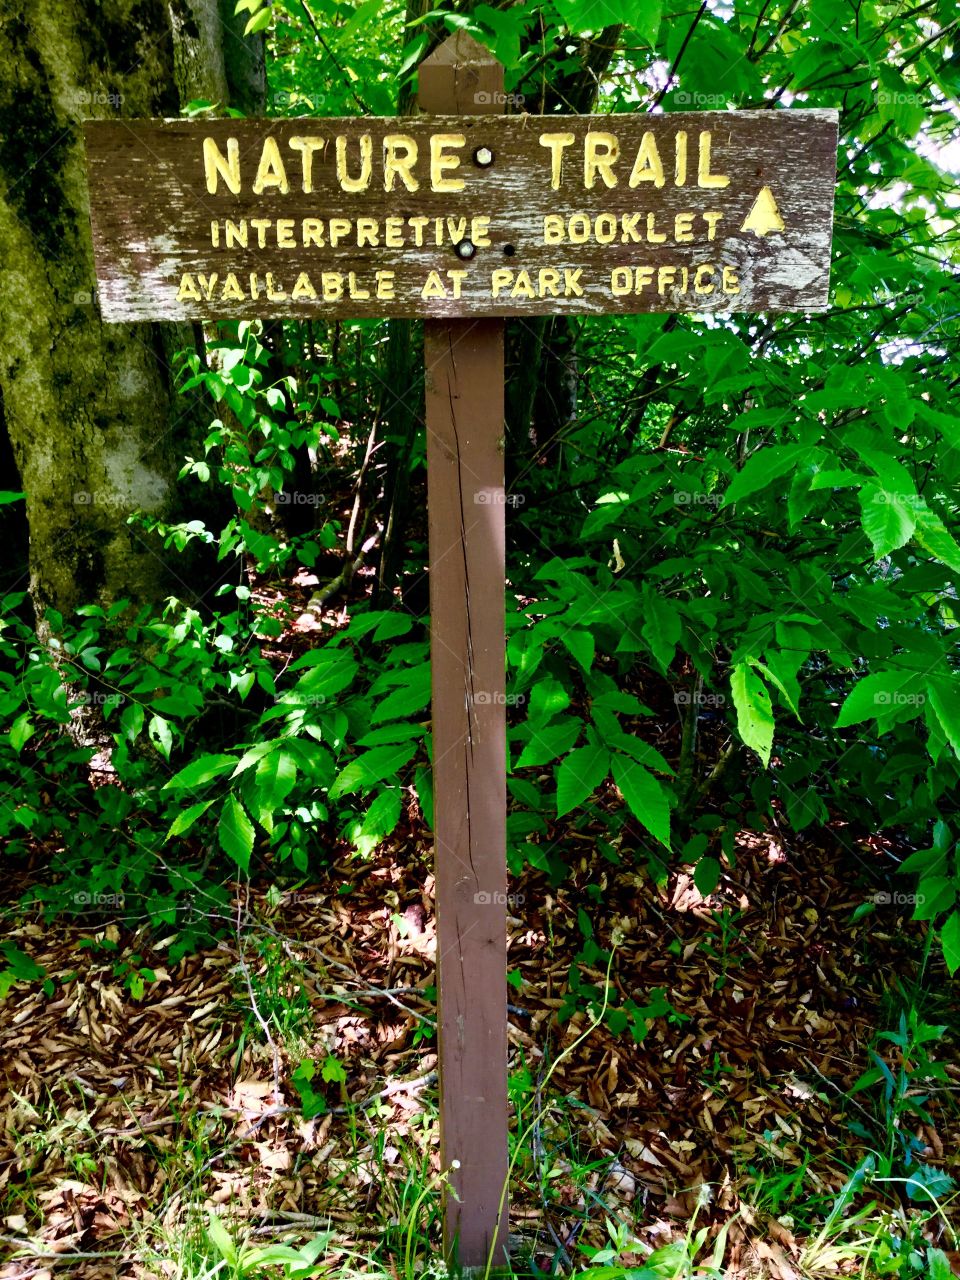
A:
[123,1115]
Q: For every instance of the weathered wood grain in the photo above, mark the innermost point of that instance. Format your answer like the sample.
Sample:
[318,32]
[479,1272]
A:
[463,362]
[152,214]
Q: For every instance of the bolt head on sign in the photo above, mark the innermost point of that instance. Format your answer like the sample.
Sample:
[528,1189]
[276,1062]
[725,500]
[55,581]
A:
[462,216]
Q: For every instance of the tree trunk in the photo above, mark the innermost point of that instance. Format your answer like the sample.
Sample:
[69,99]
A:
[96,427]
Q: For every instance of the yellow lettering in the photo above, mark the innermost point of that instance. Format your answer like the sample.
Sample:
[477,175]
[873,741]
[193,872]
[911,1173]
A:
[368,232]
[665,276]
[548,281]
[621,281]
[215,234]
[680,158]
[355,291]
[440,162]
[480,232]
[285,238]
[338,229]
[552,228]
[578,228]
[385,285]
[704,177]
[556,143]
[523,287]
[683,228]
[729,281]
[711,218]
[653,235]
[235,234]
[303,287]
[600,153]
[605,228]
[331,285]
[231,289]
[188,289]
[399,157]
[311,232]
[274,294]
[260,226]
[270,171]
[571,282]
[457,278]
[648,167]
[393,233]
[499,280]
[433,286]
[698,286]
[216,165]
[418,224]
[366,164]
[630,233]
[306,144]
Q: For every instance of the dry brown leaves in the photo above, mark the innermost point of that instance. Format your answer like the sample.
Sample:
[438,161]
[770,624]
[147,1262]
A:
[108,1099]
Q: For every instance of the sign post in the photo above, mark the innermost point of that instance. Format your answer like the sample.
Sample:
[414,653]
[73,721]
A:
[463,216]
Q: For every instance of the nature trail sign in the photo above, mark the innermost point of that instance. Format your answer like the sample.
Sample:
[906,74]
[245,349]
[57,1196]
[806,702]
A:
[462,218]
[518,215]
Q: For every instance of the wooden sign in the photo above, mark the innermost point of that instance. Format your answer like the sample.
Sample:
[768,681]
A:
[476,215]
[463,216]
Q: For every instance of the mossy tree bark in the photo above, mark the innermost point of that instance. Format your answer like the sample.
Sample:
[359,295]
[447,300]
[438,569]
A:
[96,427]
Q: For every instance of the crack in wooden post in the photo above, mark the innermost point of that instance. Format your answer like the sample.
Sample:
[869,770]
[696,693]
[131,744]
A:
[464,417]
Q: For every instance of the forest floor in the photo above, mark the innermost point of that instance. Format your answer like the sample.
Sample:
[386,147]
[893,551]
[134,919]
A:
[130,1114]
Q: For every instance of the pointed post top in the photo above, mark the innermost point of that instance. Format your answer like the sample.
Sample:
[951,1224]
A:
[461,77]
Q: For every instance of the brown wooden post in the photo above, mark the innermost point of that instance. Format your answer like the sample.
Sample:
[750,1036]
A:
[464,419]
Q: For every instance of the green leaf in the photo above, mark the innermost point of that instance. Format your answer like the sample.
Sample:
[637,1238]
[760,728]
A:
[548,698]
[754,713]
[661,628]
[201,770]
[880,695]
[950,942]
[258,21]
[412,696]
[646,797]
[934,895]
[762,468]
[579,775]
[888,521]
[21,731]
[235,832]
[931,534]
[371,767]
[582,645]
[186,818]
[383,815]
[276,775]
[220,1237]
[945,702]
[550,742]
[706,876]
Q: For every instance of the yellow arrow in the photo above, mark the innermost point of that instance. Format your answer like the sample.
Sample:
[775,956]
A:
[764,217]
